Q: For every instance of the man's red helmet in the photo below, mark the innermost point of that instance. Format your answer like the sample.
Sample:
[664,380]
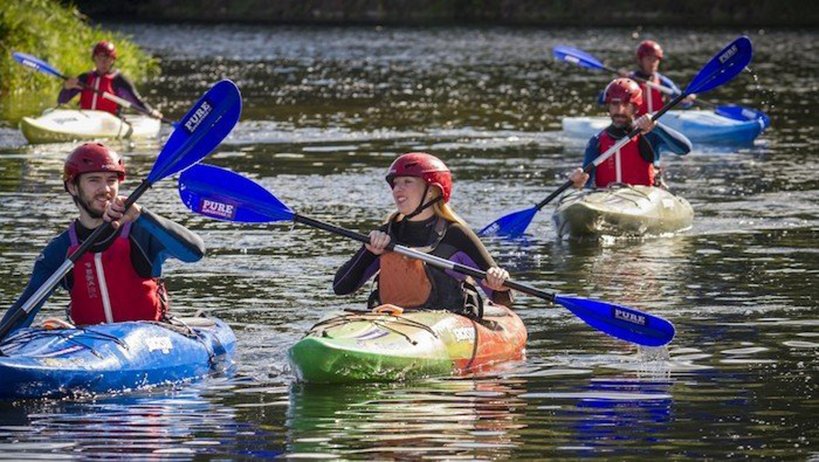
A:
[623,90]
[92,157]
[649,48]
[104,48]
[425,166]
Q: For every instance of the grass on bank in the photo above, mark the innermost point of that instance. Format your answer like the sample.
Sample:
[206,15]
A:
[61,36]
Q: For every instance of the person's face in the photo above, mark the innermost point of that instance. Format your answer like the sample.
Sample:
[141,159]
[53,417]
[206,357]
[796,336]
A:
[95,190]
[649,64]
[103,62]
[407,192]
[622,114]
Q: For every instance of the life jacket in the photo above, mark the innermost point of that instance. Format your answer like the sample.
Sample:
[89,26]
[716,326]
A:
[107,288]
[90,99]
[629,164]
[411,283]
[653,99]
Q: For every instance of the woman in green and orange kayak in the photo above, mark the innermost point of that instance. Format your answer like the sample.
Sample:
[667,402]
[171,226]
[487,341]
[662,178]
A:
[421,187]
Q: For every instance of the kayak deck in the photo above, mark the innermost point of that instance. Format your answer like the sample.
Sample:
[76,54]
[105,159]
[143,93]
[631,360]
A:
[65,125]
[699,126]
[621,211]
[390,344]
[103,358]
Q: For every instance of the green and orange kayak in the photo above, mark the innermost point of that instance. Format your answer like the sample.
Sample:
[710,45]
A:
[391,344]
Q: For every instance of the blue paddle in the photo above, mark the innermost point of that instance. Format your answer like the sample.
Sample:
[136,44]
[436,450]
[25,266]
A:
[731,111]
[201,130]
[224,195]
[39,65]
[723,67]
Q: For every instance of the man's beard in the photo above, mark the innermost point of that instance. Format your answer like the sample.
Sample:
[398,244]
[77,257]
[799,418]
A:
[85,203]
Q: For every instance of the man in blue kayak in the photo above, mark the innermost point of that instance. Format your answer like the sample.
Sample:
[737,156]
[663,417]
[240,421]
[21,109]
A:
[649,55]
[118,278]
[636,162]
[103,78]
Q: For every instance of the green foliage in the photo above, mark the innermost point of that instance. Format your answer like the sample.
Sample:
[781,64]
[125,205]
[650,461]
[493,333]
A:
[62,37]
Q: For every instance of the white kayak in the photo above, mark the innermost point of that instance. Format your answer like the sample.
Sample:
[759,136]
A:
[60,125]
[621,211]
[697,125]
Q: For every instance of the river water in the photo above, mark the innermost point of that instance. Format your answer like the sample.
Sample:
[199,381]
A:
[325,112]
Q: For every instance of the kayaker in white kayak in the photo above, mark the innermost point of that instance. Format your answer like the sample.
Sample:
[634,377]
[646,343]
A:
[421,188]
[118,279]
[105,78]
[637,162]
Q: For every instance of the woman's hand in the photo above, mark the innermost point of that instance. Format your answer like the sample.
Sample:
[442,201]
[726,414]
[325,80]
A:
[116,214]
[495,277]
[379,241]
[72,83]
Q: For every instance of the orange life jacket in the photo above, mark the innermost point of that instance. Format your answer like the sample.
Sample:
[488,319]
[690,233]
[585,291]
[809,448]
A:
[90,99]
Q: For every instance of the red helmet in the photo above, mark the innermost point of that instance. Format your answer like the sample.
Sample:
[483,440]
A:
[425,166]
[104,48]
[92,157]
[649,48]
[623,90]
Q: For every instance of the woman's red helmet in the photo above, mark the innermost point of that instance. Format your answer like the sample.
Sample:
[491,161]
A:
[92,157]
[623,90]
[425,166]
[649,48]
[104,48]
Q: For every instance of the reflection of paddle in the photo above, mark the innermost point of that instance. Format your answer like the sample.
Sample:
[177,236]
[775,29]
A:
[225,195]
[731,111]
[42,66]
[723,67]
[202,129]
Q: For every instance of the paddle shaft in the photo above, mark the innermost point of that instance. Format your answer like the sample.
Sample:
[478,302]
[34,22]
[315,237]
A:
[50,283]
[610,151]
[425,257]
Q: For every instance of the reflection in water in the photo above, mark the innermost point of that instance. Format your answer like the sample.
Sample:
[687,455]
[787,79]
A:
[460,418]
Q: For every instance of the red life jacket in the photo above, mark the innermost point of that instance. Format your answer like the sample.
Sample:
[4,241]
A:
[653,99]
[108,289]
[625,166]
[90,99]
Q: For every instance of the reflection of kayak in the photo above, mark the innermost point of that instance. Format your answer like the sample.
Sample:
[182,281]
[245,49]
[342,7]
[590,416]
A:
[111,357]
[621,210]
[698,126]
[387,345]
[61,125]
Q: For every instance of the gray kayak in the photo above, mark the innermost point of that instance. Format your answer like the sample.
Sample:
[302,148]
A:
[621,210]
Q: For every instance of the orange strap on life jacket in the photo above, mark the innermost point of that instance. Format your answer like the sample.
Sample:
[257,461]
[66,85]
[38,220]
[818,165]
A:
[403,281]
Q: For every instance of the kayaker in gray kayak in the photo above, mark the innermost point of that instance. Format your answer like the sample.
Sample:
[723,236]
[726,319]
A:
[106,79]
[637,162]
[119,278]
[421,187]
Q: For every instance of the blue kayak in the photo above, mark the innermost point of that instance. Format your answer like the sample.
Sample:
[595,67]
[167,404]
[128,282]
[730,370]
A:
[39,362]
[707,127]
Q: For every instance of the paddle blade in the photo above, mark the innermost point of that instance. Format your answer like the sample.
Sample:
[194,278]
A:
[36,63]
[620,321]
[512,225]
[723,67]
[202,129]
[575,56]
[225,195]
[737,112]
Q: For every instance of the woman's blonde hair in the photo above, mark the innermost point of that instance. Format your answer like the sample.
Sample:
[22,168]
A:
[440,209]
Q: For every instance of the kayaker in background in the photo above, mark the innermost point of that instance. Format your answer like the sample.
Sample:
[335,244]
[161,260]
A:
[637,162]
[421,187]
[106,79]
[118,278]
[649,54]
